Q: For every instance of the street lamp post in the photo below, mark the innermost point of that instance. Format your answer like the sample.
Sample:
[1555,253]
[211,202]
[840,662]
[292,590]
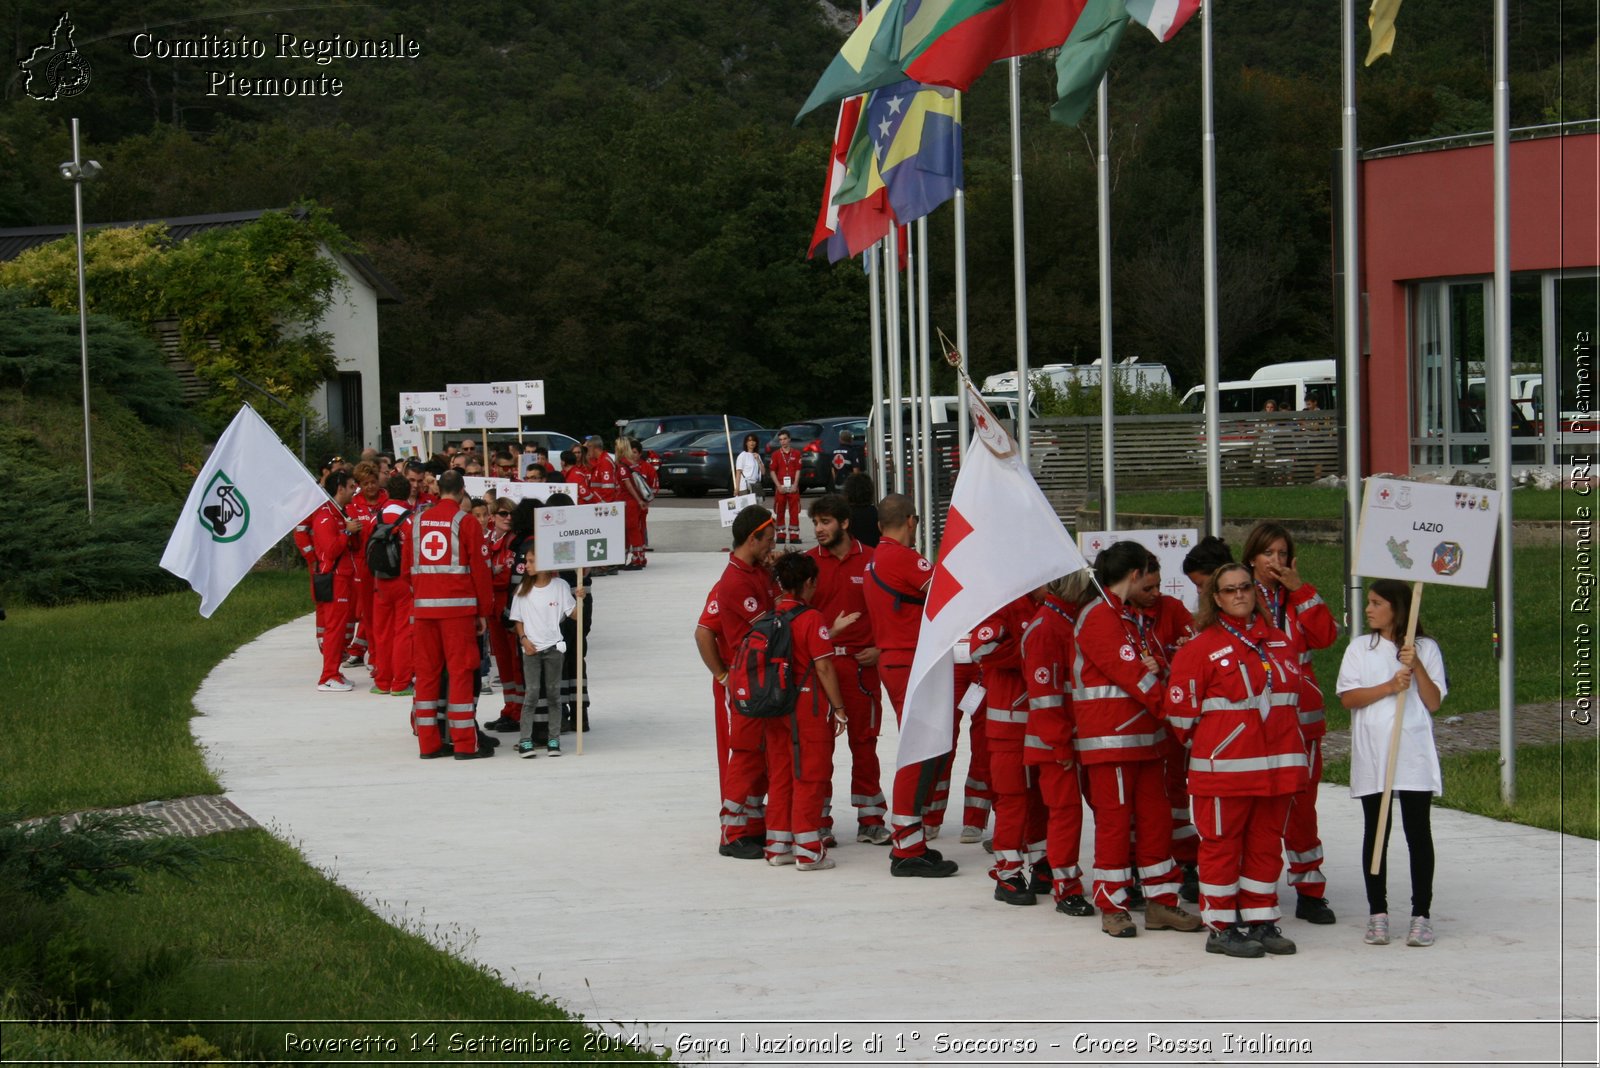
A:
[77,171]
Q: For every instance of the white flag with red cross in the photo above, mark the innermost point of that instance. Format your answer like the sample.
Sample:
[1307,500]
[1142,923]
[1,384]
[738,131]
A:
[1001,540]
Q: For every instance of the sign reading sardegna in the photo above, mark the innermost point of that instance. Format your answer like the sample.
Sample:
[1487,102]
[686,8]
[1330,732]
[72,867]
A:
[1426,532]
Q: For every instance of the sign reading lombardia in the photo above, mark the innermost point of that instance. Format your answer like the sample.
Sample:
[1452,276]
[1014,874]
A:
[584,535]
[1426,532]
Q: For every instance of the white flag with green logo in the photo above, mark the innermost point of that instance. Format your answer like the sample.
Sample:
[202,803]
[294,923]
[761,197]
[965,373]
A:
[249,495]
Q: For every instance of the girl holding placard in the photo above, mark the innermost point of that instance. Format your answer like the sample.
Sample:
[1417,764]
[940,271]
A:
[1378,675]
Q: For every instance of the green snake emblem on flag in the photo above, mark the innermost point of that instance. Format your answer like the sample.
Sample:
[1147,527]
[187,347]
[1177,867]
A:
[224,512]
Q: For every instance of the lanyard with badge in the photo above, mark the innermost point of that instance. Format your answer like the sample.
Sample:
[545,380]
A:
[1277,603]
[1265,700]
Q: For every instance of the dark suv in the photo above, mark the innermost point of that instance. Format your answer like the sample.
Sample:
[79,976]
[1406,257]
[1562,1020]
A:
[651,425]
[817,439]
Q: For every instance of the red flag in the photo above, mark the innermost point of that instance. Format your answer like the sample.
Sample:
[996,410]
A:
[976,33]
[843,134]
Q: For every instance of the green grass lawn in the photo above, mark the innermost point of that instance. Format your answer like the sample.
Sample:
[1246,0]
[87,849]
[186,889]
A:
[1288,503]
[95,702]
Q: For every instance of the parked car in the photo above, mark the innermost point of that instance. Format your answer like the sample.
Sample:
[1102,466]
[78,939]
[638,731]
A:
[553,441]
[817,439]
[651,425]
[700,465]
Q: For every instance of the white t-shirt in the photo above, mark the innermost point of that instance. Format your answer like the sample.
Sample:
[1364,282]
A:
[1370,727]
[750,468]
[541,610]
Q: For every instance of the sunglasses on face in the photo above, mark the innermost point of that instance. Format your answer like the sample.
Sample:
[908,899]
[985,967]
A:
[1234,591]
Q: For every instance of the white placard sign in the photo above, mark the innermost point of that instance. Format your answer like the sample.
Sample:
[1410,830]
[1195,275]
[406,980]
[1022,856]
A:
[1170,547]
[407,441]
[1427,532]
[425,411]
[482,405]
[584,535]
[516,491]
[530,396]
[728,508]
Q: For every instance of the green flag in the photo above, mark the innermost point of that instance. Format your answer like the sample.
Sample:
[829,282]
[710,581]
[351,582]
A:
[1085,57]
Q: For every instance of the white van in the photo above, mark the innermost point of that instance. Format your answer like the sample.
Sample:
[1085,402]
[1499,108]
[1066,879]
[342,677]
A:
[1130,373]
[1290,386]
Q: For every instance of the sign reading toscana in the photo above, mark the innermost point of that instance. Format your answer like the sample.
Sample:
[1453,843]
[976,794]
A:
[1427,532]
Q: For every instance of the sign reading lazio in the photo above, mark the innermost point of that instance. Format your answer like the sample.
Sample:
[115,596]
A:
[1170,547]
[1427,532]
[584,535]
[425,411]
[482,405]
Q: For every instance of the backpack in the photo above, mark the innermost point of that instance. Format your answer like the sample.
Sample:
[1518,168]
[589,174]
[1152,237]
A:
[383,547]
[641,486]
[761,680]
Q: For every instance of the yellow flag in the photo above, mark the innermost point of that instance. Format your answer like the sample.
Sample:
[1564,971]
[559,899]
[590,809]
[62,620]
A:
[1381,23]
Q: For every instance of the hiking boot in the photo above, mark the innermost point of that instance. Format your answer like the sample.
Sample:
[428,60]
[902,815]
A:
[1118,924]
[747,848]
[1189,891]
[1159,917]
[1041,883]
[526,750]
[1014,891]
[1271,939]
[1377,929]
[821,864]
[476,754]
[778,860]
[971,835]
[1135,898]
[1074,905]
[1421,932]
[1232,942]
[503,725]
[1313,910]
[873,834]
[922,867]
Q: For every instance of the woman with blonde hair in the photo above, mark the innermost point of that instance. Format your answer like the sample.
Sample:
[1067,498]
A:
[636,496]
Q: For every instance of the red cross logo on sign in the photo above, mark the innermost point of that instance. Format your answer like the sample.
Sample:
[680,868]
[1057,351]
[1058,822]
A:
[435,545]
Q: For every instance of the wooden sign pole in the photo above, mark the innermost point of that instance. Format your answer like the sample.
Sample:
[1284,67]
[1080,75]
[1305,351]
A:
[1394,738]
[578,695]
[733,467]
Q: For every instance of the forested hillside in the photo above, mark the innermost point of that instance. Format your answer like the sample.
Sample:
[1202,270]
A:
[610,194]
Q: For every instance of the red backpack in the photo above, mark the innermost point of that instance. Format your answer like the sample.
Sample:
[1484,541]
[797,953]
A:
[762,682]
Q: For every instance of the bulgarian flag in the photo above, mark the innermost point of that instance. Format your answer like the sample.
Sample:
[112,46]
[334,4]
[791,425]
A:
[951,42]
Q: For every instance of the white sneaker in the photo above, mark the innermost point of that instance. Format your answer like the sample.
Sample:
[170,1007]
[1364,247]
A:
[1421,932]
[872,834]
[339,685]
[971,835]
[815,865]
[778,860]
[1377,929]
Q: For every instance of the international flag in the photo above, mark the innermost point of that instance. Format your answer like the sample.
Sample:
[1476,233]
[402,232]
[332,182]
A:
[251,492]
[1001,540]
[870,58]
[827,226]
[1083,60]
[916,131]
[1380,22]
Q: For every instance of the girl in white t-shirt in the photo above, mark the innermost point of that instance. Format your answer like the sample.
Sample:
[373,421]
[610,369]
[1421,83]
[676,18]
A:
[1374,674]
[543,599]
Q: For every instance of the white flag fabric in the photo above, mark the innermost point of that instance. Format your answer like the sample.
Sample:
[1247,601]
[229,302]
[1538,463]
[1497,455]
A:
[249,495]
[1001,540]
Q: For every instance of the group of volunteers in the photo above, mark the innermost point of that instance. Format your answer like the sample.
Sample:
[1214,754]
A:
[431,589]
[1194,740]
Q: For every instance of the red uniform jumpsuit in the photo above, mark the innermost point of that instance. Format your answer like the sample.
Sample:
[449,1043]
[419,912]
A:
[1165,626]
[1019,811]
[1233,698]
[331,553]
[895,589]
[650,467]
[840,591]
[719,691]
[1047,651]
[633,513]
[391,615]
[799,747]
[604,482]
[743,593]
[1309,624]
[1119,741]
[366,512]
[580,475]
[502,640]
[784,466]
[449,567]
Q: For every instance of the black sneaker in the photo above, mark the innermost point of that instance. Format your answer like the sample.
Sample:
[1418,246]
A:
[1313,910]
[747,848]
[928,866]
[1271,939]
[1041,883]
[476,754]
[1135,898]
[1014,891]
[436,754]
[503,725]
[1190,890]
[1074,905]
[526,750]
[1234,943]
[487,741]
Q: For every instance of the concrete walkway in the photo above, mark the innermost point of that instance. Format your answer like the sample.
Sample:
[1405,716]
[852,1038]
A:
[594,881]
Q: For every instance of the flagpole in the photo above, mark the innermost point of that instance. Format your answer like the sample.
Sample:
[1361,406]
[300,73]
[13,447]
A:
[1350,402]
[963,426]
[891,285]
[1208,156]
[1019,269]
[930,501]
[875,303]
[914,385]
[1498,376]
[1108,478]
